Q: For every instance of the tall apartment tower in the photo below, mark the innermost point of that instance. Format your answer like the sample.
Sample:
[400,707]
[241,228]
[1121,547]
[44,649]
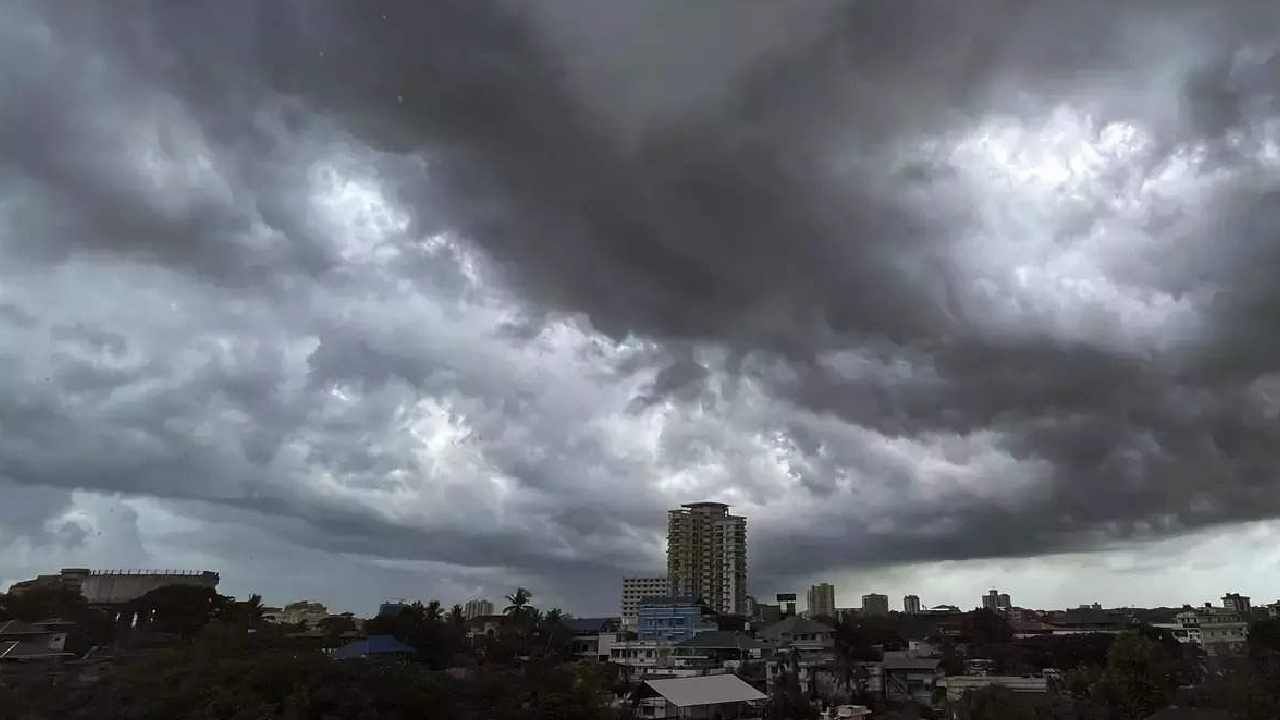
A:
[477,607]
[875,604]
[911,604]
[707,555]
[822,600]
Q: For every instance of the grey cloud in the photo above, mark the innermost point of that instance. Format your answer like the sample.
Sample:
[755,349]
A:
[760,234]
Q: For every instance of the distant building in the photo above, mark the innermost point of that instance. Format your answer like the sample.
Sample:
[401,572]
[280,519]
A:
[874,604]
[671,619]
[1237,602]
[911,604]
[1273,610]
[117,587]
[766,613]
[303,611]
[707,555]
[786,604]
[477,607]
[822,600]
[995,600]
[391,608]
[635,589]
[1004,602]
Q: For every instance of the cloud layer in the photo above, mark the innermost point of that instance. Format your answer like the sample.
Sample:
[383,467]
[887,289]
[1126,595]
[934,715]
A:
[459,295]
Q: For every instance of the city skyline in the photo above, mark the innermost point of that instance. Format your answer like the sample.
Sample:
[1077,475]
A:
[448,298]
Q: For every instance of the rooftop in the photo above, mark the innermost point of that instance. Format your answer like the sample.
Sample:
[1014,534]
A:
[17,627]
[704,504]
[722,639]
[907,661]
[708,690]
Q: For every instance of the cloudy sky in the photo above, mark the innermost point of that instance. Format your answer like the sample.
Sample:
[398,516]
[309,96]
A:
[356,301]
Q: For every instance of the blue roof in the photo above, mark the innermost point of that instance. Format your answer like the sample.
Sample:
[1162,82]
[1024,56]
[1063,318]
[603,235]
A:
[374,645]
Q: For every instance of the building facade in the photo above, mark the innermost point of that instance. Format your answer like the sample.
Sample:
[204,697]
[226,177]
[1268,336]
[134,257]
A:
[786,604]
[1004,602]
[477,607]
[670,619]
[874,604]
[911,604]
[707,555]
[635,589]
[822,600]
[1237,602]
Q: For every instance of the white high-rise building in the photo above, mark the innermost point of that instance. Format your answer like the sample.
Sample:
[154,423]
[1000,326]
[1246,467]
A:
[635,589]
[477,607]
[707,555]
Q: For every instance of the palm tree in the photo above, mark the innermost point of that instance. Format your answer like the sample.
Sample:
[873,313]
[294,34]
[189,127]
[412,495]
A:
[456,615]
[433,612]
[519,603]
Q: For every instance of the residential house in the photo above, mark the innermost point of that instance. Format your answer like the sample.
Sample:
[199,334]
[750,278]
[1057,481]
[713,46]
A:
[593,638]
[485,626]
[907,676]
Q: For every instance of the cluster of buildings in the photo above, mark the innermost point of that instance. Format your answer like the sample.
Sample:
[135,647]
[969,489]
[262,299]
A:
[696,633]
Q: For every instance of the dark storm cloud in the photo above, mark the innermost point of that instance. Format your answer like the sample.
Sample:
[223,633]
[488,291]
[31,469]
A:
[770,208]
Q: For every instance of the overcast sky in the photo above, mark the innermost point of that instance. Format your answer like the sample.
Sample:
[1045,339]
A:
[363,300]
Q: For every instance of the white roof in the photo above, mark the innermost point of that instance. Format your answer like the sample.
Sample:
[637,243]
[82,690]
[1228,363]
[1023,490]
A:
[708,690]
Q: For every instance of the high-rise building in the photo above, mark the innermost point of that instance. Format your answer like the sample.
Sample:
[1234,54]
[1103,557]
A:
[911,604]
[477,607]
[635,589]
[1237,602]
[707,555]
[990,600]
[822,600]
[1003,602]
[786,604]
[875,604]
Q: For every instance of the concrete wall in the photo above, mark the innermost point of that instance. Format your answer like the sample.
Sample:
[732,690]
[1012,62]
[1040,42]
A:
[107,588]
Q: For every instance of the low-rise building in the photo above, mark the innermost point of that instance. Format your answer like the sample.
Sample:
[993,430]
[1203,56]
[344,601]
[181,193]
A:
[907,676]
[672,619]
[1220,631]
[485,626]
[593,638]
[958,685]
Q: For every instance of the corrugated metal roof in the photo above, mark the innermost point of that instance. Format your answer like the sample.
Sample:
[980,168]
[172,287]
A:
[907,661]
[17,627]
[709,690]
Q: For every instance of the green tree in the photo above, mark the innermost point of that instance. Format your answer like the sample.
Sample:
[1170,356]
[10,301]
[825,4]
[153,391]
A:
[1139,677]
[994,702]
[180,609]
[517,602]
